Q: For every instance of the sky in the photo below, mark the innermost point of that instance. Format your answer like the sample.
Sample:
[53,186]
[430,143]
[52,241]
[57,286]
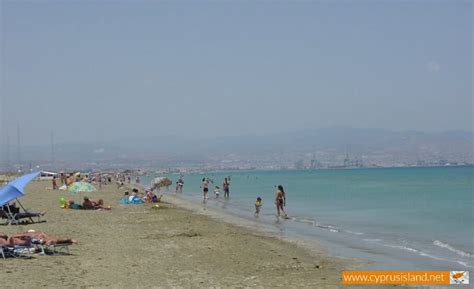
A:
[104,70]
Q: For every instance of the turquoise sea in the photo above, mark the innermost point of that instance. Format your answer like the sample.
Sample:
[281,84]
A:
[405,218]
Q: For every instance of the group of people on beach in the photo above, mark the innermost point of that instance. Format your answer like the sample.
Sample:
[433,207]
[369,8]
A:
[136,198]
[87,204]
[205,188]
[280,197]
[280,203]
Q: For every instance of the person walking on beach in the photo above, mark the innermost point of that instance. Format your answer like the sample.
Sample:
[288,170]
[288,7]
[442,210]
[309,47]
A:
[280,201]
[55,186]
[205,188]
[226,186]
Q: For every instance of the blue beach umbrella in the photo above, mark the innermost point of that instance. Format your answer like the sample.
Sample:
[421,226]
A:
[15,188]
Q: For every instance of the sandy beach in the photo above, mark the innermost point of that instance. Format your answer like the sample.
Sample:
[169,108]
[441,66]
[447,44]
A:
[136,246]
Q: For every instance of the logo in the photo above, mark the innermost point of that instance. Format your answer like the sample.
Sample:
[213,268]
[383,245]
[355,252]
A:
[459,277]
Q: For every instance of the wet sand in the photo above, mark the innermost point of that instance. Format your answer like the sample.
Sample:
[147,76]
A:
[136,246]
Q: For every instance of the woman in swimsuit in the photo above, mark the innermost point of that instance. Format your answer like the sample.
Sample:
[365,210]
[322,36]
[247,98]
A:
[280,201]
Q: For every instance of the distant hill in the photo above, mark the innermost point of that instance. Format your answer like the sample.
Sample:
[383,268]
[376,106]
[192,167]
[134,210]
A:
[336,140]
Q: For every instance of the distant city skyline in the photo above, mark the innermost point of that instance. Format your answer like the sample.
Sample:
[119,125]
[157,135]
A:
[322,148]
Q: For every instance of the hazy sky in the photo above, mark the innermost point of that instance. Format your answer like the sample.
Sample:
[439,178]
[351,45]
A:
[102,70]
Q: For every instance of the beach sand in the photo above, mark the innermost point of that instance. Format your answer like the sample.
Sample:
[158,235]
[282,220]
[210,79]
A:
[136,246]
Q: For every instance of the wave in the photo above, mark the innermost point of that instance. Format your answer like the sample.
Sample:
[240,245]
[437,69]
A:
[402,247]
[354,233]
[452,249]
[327,227]
[424,254]
[372,240]
[465,264]
[306,221]
[314,223]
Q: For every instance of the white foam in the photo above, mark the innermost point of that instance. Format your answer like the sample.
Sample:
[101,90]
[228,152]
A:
[464,264]
[306,221]
[354,233]
[433,257]
[423,254]
[452,249]
[372,240]
[403,248]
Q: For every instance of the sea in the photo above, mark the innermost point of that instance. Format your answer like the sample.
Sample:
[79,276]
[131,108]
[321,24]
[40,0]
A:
[390,218]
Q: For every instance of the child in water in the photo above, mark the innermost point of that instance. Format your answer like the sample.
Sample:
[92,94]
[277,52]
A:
[258,205]
[217,191]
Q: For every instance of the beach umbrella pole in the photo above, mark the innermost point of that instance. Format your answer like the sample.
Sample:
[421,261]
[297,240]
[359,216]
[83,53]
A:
[10,213]
[20,204]
[31,219]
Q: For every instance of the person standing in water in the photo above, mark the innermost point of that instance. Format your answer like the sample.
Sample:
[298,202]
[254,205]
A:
[280,201]
[179,185]
[226,186]
[258,205]
[205,189]
[217,191]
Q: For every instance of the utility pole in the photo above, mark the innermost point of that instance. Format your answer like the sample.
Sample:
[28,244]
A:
[52,149]
[7,153]
[18,146]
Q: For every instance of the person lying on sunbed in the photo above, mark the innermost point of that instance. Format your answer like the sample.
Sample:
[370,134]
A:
[10,242]
[15,210]
[35,236]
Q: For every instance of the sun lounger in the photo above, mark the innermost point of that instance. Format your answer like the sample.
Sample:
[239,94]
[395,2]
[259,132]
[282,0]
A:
[14,218]
[16,251]
[52,249]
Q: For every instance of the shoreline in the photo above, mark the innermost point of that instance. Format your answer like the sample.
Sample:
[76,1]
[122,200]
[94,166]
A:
[136,246]
[319,211]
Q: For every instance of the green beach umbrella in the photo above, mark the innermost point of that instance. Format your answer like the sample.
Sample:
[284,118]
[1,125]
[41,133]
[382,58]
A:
[81,187]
